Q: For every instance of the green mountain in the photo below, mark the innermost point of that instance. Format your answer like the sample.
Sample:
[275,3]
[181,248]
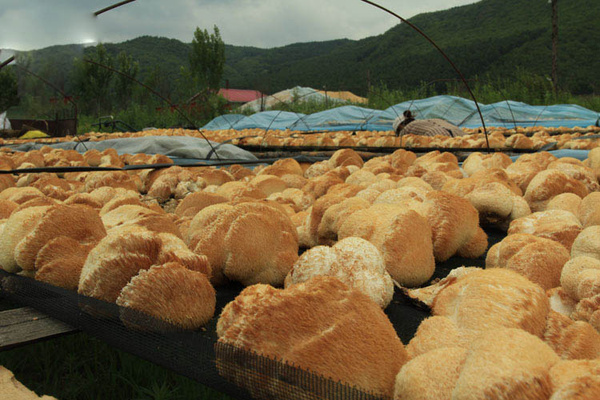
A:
[491,38]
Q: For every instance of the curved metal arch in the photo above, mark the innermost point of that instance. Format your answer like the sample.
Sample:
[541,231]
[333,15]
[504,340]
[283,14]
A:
[444,55]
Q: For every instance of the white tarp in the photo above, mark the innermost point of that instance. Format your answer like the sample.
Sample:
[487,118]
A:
[297,94]
[4,122]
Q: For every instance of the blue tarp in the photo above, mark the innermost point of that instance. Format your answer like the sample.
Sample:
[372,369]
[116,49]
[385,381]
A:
[459,111]
[344,118]
[229,120]
[280,120]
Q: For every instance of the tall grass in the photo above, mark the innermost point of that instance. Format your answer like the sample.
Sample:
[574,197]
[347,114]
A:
[311,106]
[524,87]
[381,97]
[79,367]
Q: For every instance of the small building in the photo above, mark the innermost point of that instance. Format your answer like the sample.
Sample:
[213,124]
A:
[237,97]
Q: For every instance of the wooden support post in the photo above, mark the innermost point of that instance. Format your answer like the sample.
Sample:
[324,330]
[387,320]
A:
[26,325]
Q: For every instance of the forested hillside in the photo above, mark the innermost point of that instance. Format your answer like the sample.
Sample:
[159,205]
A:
[492,37]
[488,39]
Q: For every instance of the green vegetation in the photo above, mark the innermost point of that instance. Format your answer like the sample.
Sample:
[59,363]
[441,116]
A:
[207,59]
[503,49]
[524,87]
[491,37]
[102,81]
[306,107]
[79,367]
[8,90]
[94,83]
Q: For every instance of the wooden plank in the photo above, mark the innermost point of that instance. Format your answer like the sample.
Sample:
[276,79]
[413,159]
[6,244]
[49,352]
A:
[20,315]
[26,325]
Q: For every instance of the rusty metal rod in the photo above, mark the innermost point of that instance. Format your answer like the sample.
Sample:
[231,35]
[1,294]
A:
[119,4]
[5,63]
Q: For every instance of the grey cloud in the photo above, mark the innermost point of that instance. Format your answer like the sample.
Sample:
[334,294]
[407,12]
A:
[263,23]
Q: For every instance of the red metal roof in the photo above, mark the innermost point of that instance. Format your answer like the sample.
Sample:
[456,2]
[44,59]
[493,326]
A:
[240,95]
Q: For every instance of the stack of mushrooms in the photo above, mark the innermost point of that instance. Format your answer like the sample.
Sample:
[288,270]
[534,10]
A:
[323,248]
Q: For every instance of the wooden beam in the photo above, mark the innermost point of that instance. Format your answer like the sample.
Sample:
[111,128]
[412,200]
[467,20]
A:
[26,325]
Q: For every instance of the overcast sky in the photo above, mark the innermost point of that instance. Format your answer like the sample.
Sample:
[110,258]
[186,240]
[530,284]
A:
[34,24]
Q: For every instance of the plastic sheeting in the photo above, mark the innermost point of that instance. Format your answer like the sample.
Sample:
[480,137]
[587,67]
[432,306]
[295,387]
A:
[296,94]
[578,154]
[171,146]
[463,112]
[457,110]
[4,122]
[268,120]
[344,118]
[228,120]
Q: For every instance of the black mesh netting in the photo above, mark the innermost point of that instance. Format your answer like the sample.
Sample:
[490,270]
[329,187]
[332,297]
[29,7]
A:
[197,354]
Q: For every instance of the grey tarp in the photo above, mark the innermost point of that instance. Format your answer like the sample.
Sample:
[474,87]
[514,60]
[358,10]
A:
[172,146]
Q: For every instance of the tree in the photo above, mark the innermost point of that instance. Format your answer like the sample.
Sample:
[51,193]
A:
[93,82]
[124,85]
[207,59]
[9,94]
[200,83]
[158,80]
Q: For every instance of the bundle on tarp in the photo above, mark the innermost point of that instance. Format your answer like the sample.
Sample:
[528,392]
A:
[34,135]
[346,96]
